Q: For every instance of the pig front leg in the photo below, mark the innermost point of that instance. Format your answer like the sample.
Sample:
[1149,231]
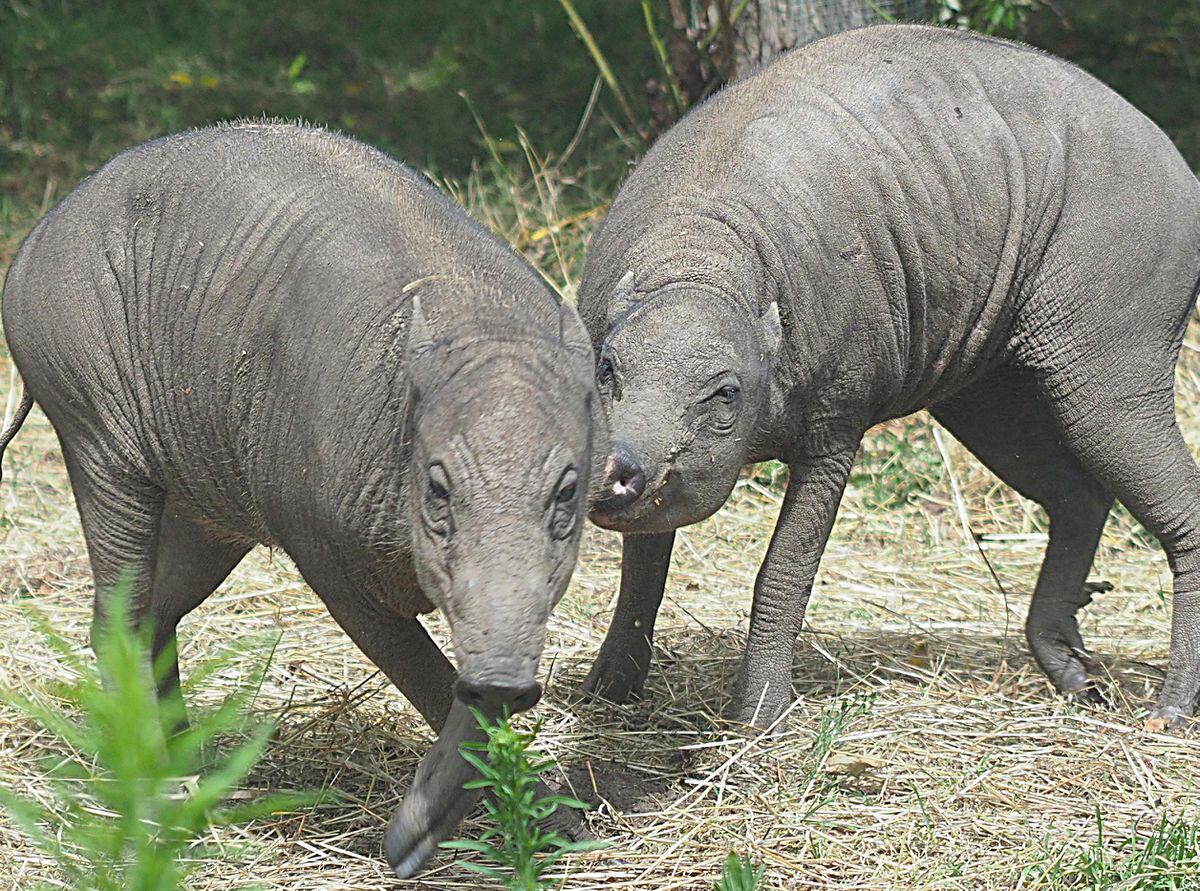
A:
[620,669]
[764,686]
[436,801]
[403,650]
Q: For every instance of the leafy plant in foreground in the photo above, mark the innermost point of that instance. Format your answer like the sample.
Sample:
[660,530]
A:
[515,842]
[132,797]
[739,874]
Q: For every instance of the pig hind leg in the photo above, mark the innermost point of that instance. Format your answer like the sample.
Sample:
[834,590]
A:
[136,534]
[1118,417]
[1002,420]
[190,562]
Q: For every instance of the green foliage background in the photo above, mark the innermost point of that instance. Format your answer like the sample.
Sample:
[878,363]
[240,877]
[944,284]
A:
[83,79]
[80,80]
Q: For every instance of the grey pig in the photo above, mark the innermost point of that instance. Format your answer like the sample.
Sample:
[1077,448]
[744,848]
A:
[886,220]
[265,333]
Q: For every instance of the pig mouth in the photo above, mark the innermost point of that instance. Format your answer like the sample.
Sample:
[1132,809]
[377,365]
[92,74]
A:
[618,520]
[632,517]
[669,503]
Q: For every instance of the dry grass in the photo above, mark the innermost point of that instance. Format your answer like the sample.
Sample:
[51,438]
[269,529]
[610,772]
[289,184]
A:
[924,751]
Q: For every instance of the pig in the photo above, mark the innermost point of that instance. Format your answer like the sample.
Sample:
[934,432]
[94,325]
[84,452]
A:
[263,333]
[886,220]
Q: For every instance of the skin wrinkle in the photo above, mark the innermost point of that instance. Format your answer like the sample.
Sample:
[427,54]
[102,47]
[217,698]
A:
[125,394]
[135,324]
[156,391]
[912,267]
[1003,273]
[912,321]
[750,240]
[176,263]
[908,325]
[912,261]
[812,260]
[377,432]
[198,304]
[1029,245]
[277,420]
[389,414]
[759,235]
[1035,250]
[965,191]
[151,285]
[722,263]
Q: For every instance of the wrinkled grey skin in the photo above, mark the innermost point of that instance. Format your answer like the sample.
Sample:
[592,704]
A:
[886,220]
[265,333]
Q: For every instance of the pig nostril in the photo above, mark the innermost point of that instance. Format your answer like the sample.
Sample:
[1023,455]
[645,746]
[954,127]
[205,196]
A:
[517,697]
[627,479]
[526,697]
[629,483]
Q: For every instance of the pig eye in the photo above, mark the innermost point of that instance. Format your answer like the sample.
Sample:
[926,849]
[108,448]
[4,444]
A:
[564,511]
[606,377]
[723,407]
[436,504]
[566,494]
[727,394]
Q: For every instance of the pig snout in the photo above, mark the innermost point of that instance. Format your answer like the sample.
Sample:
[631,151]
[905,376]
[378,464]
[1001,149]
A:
[624,480]
[492,697]
[499,643]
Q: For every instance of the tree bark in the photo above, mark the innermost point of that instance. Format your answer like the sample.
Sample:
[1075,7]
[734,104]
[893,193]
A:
[767,28]
[711,42]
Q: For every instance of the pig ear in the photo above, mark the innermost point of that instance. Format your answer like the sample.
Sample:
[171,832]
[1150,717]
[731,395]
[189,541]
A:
[623,298]
[575,339]
[421,349]
[772,329]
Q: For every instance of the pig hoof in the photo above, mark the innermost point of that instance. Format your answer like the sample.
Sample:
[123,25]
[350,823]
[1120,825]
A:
[1090,663]
[611,684]
[567,823]
[1090,696]
[759,717]
[411,862]
[1078,688]
[1163,718]
[410,842]
[1070,669]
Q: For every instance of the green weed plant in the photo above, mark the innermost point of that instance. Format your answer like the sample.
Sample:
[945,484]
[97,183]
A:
[740,874]
[1168,859]
[133,798]
[518,849]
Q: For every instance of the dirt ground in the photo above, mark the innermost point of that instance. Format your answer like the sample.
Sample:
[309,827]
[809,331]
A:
[924,750]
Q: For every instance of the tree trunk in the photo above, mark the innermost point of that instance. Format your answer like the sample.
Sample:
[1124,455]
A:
[767,28]
[711,42]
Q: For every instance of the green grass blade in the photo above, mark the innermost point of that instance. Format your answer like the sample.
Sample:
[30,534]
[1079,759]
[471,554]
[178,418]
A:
[585,34]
